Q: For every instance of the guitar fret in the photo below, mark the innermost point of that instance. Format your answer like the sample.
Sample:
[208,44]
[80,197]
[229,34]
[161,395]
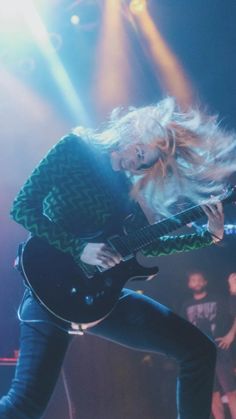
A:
[136,240]
[121,245]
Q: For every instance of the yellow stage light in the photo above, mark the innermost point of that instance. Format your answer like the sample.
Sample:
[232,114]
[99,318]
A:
[137,6]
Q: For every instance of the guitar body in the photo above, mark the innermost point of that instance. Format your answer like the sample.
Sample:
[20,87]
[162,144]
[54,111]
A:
[76,296]
[63,288]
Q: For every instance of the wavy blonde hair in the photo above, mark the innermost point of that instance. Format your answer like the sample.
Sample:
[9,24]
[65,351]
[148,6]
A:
[196,155]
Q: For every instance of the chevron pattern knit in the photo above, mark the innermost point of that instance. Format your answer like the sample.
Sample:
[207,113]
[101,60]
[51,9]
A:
[182,243]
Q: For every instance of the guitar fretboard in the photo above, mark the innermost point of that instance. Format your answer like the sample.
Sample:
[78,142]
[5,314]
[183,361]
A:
[149,234]
[129,244]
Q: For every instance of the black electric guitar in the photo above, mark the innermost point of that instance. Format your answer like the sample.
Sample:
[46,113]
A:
[84,293]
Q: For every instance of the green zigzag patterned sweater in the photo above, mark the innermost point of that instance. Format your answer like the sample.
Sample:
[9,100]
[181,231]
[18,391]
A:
[73,194]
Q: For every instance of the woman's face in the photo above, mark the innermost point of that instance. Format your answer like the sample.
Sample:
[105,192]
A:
[134,157]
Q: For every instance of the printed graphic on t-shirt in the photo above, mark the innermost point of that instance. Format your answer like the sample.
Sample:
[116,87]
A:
[203,315]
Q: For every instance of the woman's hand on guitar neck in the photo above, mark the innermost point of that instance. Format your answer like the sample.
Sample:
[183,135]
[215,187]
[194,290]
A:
[100,254]
[215,215]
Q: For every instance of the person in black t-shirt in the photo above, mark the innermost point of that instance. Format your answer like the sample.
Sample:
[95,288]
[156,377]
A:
[211,314]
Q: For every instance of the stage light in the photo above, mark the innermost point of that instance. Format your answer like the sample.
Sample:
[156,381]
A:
[85,13]
[41,37]
[137,6]
[112,87]
[75,19]
[169,71]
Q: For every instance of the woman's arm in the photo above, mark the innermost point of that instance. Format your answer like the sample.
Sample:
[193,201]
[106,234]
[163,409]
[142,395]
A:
[27,208]
[168,245]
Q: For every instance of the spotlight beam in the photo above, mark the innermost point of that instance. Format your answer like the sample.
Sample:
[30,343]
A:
[168,69]
[41,37]
[113,71]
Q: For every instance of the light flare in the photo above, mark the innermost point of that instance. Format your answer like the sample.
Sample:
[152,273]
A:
[113,72]
[41,37]
[168,69]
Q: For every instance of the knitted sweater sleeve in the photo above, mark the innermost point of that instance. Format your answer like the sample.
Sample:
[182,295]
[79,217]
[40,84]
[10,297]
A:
[27,207]
[167,245]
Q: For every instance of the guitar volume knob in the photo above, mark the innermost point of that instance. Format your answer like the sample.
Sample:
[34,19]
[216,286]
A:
[73,291]
[89,299]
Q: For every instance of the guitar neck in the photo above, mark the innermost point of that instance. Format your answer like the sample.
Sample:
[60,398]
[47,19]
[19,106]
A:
[147,235]
[129,244]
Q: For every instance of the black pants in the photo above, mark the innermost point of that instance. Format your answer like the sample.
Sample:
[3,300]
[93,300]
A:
[137,322]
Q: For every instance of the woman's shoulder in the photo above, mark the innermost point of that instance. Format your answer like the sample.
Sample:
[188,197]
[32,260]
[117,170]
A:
[71,138]
[74,143]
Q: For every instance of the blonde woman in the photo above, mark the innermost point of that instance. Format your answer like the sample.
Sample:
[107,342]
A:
[145,161]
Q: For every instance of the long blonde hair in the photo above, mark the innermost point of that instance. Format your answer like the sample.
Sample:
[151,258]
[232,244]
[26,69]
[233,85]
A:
[196,155]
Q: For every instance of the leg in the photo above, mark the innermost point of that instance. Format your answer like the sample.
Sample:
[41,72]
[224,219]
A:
[141,323]
[225,376]
[232,403]
[217,406]
[42,350]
